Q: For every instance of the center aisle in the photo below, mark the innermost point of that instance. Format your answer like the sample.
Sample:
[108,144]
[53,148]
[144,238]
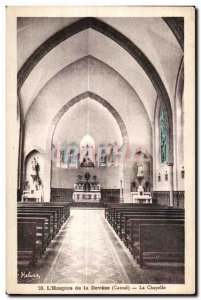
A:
[87,254]
[87,250]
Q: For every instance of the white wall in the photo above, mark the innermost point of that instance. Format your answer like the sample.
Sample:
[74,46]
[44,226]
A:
[109,178]
[89,74]
[87,117]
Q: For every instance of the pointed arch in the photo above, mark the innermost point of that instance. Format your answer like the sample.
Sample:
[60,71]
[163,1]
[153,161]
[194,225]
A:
[75,100]
[32,149]
[59,114]
[116,36]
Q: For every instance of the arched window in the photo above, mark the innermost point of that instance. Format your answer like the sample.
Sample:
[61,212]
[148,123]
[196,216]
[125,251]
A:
[164,136]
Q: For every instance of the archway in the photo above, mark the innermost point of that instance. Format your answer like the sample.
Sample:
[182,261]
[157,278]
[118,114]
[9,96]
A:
[59,114]
[147,161]
[117,37]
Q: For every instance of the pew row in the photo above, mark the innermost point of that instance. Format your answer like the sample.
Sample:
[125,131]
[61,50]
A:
[38,224]
[121,226]
[126,220]
[161,242]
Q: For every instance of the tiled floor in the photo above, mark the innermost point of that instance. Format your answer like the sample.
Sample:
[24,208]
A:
[87,254]
[87,250]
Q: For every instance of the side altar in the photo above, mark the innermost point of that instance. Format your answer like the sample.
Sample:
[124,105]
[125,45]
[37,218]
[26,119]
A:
[140,196]
[86,189]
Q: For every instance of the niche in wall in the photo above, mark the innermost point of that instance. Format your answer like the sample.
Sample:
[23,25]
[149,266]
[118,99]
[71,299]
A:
[144,162]
[34,171]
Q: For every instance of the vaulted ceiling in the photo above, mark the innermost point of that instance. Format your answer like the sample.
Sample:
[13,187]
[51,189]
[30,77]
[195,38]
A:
[152,36]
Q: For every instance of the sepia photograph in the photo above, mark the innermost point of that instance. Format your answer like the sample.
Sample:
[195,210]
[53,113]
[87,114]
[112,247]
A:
[102,148]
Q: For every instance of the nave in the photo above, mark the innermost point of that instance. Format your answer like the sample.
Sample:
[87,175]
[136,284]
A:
[100,125]
[87,250]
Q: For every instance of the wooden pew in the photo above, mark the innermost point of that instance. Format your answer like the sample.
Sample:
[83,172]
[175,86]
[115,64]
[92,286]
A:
[133,234]
[48,226]
[109,207]
[40,208]
[127,219]
[63,210]
[42,231]
[110,210]
[52,213]
[118,213]
[64,206]
[47,219]
[141,208]
[121,224]
[113,210]
[30,238]
[161,242]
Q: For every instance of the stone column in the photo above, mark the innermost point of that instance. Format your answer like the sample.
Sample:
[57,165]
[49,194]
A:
[47,178]
[127,182]
[121,192]
[171,183]
[153,164]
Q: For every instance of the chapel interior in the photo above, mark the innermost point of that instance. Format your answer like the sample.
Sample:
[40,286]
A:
[100,155]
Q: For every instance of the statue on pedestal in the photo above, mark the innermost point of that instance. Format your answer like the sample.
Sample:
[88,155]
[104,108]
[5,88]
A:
[140,174]
[140,171]
[35,174]
[35,168]
[79,178]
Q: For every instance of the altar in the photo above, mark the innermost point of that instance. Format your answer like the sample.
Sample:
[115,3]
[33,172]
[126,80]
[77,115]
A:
[28,196]
[86,196]
[141,199]
[140,196]
[86,190]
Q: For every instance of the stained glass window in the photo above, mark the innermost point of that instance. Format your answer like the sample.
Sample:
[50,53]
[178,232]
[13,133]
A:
[164,136]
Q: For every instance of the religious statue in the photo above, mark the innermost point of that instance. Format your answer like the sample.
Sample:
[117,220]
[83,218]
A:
[87,162]
[103,157]
[35,167]
[140,170]
[87,176]
[35,174]
[133,186]
[87,186]
[103,154]
[88,159]
[94,178]
[79,178]
[147,186]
